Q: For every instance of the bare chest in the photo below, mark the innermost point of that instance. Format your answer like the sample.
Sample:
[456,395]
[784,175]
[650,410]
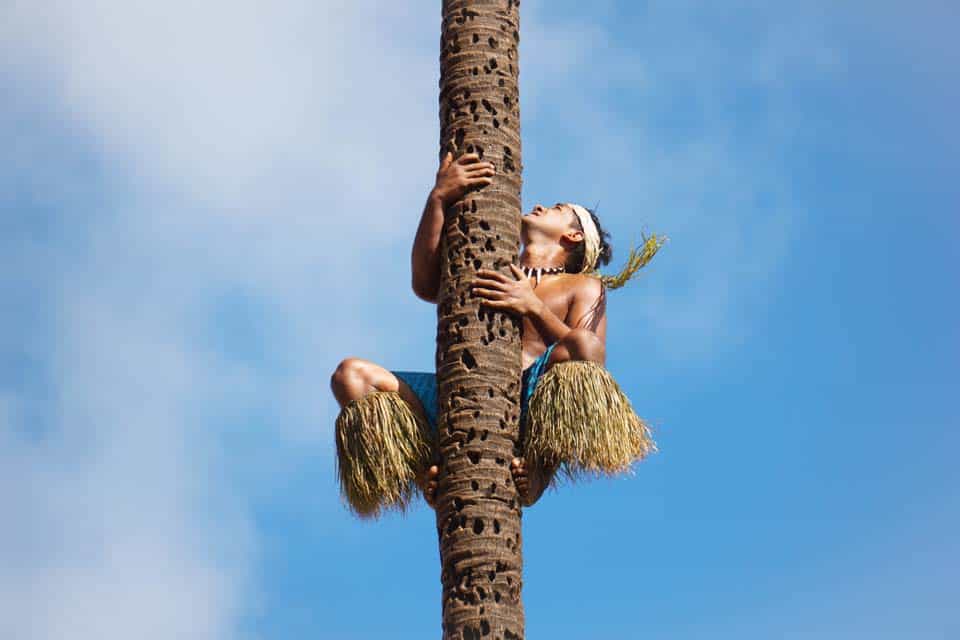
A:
[556,295]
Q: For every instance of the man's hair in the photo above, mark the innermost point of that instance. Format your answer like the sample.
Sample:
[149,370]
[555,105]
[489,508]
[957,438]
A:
[575,258]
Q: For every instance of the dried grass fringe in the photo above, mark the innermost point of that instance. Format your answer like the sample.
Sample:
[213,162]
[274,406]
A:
[636,260]
[382,447]
[580,420]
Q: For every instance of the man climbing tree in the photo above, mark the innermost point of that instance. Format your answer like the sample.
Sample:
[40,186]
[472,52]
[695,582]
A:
[520,390]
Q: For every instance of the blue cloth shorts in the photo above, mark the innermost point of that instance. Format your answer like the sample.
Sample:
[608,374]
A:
[424,385]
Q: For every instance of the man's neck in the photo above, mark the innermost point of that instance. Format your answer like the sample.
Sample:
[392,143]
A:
[536,256]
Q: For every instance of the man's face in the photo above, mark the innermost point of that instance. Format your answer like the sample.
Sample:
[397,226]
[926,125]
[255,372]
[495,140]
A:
[554,223]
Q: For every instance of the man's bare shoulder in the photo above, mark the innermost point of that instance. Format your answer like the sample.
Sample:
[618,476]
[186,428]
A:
[587,303]
[581,284]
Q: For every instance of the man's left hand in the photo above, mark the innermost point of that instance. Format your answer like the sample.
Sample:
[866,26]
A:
[500,292]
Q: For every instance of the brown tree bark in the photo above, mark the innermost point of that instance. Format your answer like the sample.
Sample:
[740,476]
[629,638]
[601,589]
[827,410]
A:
[478,350]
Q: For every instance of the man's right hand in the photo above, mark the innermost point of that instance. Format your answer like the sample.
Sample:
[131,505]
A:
[456,177]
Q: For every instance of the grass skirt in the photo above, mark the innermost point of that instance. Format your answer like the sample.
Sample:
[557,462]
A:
[382,448]
[580,420]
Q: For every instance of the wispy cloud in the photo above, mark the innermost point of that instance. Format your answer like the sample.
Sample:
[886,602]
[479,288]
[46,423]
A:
[239,146]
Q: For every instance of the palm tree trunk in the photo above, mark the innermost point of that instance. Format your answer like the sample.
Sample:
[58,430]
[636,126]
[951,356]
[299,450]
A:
[478,351]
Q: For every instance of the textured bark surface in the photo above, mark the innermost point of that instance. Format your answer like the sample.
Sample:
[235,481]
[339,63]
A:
[478,351]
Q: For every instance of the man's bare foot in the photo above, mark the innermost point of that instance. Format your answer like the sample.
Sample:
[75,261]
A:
[530,483]
[429,485]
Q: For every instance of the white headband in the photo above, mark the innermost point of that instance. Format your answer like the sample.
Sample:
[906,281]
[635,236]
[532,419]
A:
[591,238]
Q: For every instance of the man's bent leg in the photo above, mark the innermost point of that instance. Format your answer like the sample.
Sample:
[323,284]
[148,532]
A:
[355,378]
[578,344]
[383,437]
[578,414]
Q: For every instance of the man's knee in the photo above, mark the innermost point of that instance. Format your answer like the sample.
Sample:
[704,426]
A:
[349,370]
[584,344]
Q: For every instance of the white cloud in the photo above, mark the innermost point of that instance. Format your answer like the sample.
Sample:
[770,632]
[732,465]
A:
[222,101]
[246,142]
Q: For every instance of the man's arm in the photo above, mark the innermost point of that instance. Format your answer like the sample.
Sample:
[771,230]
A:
[587,311]
[425,256]
[589,308]
[454,179]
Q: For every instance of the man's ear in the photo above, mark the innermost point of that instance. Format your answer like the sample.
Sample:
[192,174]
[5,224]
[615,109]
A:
[573,236]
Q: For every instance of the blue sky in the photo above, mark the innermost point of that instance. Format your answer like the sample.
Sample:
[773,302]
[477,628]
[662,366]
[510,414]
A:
[205,207]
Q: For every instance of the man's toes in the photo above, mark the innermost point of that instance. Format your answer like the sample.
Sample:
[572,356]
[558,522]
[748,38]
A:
[430,484]
[523,490]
